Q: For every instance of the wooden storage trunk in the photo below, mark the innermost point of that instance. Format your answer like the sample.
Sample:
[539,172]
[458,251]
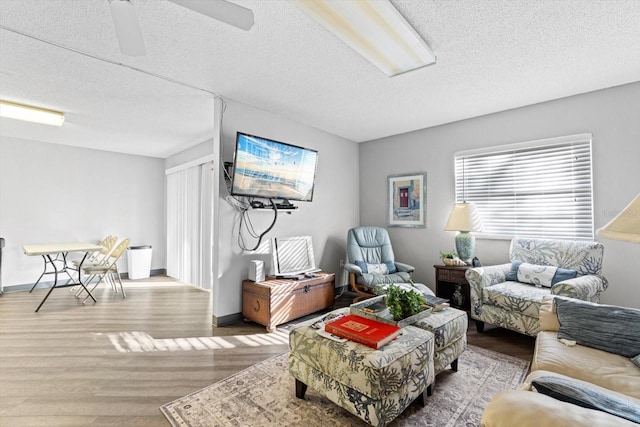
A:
[277,301]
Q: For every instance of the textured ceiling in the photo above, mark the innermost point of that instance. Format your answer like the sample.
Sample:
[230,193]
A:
[492,56]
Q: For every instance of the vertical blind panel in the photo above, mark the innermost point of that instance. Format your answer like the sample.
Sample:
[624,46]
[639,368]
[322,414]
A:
[539,191]
[183,225]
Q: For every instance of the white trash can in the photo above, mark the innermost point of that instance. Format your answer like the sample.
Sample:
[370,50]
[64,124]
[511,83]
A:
[139,261]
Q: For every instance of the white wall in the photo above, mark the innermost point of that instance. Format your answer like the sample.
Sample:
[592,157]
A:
[56,193]
[196,152]
[611,115]
[327,218]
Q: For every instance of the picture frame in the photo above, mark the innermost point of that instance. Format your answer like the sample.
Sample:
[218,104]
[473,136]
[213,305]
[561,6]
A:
[407,200]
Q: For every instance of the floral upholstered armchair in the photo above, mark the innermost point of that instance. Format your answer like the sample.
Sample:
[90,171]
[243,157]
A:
[510,295]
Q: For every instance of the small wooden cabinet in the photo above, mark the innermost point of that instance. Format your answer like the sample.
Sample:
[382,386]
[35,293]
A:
[277,301]
[452,285]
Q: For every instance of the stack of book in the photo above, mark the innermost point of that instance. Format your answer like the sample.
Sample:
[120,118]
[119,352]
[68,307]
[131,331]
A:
[436,303]
[365,331]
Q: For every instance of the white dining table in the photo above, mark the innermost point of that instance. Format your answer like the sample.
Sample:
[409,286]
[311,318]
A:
[51,253]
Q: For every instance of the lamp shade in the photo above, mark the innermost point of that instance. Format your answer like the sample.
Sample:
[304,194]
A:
[625,226]
[463,217]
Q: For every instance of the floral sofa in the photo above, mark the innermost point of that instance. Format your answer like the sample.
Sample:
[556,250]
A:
[585,370]
[509,295]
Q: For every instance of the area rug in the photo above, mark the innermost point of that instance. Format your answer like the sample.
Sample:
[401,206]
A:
[264,395]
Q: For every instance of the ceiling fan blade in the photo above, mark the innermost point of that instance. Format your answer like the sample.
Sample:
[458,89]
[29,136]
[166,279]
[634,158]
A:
[222,10]
[127,27]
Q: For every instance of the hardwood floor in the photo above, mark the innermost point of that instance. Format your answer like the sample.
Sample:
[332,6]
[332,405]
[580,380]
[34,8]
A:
[116,362]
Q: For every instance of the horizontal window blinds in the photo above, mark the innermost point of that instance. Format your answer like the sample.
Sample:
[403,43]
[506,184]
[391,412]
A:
[539,189]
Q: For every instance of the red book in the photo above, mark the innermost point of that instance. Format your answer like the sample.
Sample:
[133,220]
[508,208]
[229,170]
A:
[362,330]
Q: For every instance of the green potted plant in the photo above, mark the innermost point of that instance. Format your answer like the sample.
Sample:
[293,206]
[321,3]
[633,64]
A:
[403,303]
[450,258]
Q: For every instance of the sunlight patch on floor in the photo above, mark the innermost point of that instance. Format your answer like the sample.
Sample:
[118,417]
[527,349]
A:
[137,341]
[158,284]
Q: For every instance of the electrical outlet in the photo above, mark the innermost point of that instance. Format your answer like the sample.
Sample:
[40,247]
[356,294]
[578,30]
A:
[341,263]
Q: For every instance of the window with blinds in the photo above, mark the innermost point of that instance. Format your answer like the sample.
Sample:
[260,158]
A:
[539,189]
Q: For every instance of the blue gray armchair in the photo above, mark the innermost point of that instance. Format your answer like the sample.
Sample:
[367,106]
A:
[371,263]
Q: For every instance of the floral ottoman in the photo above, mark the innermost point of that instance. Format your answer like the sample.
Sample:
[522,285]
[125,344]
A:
[449,326]
[374,385]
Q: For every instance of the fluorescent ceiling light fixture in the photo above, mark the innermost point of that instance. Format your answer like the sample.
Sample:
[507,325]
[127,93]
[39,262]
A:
[12,110]
[374,29]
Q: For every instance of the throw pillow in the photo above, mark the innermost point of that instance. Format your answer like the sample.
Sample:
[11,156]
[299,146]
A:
[362,265]
[539,275]
[605,327]
[387,267]
[391,266]
[377,268]
[512,276]
[563,274]
[636,360]
[581,394]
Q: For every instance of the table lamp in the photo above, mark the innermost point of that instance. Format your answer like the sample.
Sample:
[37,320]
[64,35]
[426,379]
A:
[625,226]
[465,219]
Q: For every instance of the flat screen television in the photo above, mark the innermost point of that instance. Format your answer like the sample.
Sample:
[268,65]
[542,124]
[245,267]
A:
[292,256]
[273,170]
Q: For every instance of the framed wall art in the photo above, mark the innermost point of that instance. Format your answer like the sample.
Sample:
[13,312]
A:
[407,198]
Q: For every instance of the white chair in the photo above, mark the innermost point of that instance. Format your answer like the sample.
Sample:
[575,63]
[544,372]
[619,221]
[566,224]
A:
[108,243]
[98,257]
[108,269]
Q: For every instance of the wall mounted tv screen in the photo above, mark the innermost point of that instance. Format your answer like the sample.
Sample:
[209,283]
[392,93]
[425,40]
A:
[273,170]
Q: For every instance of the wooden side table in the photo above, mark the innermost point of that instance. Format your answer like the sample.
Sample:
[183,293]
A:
[452,285]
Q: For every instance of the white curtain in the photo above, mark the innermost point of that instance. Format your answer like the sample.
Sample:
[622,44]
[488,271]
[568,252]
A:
[189,225]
